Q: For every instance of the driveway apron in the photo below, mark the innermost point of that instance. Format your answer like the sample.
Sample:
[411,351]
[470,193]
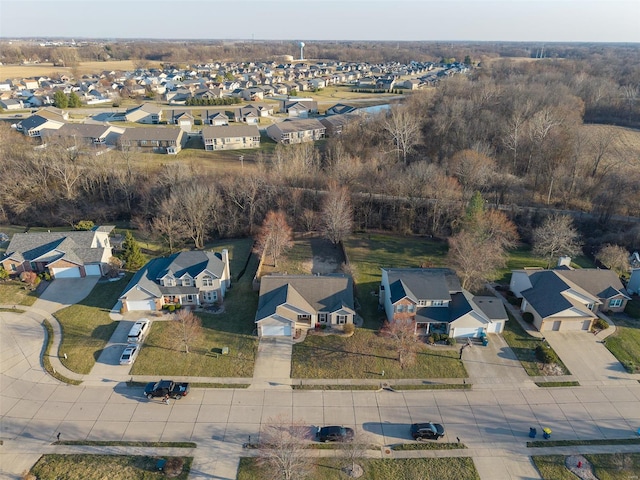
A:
[273,363]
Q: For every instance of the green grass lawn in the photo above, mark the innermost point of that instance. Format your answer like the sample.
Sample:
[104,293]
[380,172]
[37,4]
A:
[99,467]
[232,329]
[625,342]
[370,252]
[13,292]
[366,355]
[633,308]
[457,468]
[523,346]
[619,466]
[87,327]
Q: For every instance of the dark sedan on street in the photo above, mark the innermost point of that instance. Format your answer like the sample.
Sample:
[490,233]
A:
[423,431]
[335,434]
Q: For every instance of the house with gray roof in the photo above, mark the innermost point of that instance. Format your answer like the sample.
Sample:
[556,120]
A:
[293,302]
[433,301]
[296,131]
[230,137]
[566,299]
[169,140]
[189,279]
[89,134]
[72,254]
[34,125]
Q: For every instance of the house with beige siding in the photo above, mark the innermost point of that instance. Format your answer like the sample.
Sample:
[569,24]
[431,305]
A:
[230,137]
[169,140]
[296,131]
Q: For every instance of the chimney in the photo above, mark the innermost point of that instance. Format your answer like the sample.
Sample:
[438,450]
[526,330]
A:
[225,260]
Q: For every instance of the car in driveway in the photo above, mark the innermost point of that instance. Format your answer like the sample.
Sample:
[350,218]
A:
[335,433]
[129,354]
[424,431]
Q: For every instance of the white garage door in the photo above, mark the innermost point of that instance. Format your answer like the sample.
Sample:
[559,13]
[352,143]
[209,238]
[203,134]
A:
[575,325]
[68,272]
[467,332]
[141,305]
[93,270]
[276,331]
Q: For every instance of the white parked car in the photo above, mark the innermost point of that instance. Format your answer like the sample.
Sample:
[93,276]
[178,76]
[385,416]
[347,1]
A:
[129,354]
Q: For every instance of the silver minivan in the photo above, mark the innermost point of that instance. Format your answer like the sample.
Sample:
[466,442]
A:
[138,331]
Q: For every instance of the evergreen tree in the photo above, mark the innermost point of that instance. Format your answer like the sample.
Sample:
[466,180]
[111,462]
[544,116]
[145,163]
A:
[131,254]
[74,100]
[60,100]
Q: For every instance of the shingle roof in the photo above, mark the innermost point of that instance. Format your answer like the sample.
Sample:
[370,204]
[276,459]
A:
[152,133]
[492,307]
[598,282]
[176,265]
[298,125]
[422,283]
[326,293]
[230,131]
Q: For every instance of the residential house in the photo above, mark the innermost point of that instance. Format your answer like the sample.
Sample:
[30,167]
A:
[182,119]
[86,134]
[188,279]
[335,124]
[61,254]
[34,125]
[294,302]
[216,119]
[146,113]
[230,137]
[340,109]
[432,300]
[296,131]
[11,104]
[299,108]
[158,140]
[565,299]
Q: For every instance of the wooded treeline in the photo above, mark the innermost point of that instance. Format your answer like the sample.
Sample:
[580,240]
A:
[512,130]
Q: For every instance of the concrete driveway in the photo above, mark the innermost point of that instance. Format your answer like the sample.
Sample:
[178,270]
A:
[64,292]
[273,363]
[494,364]
[107,368]
[586,357]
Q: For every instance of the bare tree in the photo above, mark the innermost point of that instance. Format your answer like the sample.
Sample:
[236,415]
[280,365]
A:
[274,236]
[615,258]
[404,128]
[555,237]
[466,248]
[473,170]
[405,340]
[282,449]
[185,329]
[197,203]
[168,224]
[337,215]
[352,452]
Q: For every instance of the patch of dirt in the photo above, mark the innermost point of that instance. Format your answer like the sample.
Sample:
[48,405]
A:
[321,265]
[551,369]
[356,472]
[580,466]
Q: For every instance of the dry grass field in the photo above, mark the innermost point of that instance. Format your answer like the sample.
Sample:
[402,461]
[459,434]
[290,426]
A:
[47,69]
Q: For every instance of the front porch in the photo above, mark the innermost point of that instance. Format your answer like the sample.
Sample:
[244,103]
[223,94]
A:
[424,329]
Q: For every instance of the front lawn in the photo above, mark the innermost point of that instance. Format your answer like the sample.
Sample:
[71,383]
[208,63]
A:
[87,327]
[456,468]
[366,355]
[524,347]
[233,328]
[99,467]
[618,466]
[368,253]
[13,292]
[625,342]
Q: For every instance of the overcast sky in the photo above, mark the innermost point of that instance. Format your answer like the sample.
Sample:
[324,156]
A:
[308,20]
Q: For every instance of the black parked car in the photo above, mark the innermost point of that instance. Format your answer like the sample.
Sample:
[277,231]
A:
[335,434]
[421,431]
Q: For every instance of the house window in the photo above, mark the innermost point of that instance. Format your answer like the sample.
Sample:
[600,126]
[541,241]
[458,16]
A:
[322,317]
[207,282]
[422,303]
[169,282]
[437,303]
[13,267]
[400,308]
[615,303]
[190,298]
[411,308]
[342,319]
[210,296]
[33,265]
[186,282]
[590,306]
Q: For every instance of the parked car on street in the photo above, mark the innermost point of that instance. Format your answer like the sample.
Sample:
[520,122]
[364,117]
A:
[129,355]
[165,388]
[422,431]
[335,434]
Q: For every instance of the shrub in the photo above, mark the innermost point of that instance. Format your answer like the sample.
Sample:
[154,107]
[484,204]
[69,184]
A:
[173,467]
[431,340]
[323,326]
[30,278]
[600,324]
[528,317]
[545,354]
[436,337]
[171,308]
[3,274]
[451,341]
[45,276]
[84,225]
[349,328]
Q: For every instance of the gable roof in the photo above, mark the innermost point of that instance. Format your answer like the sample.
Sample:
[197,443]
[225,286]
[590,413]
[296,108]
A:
[152,133]
[230,131]
[598,282]
[176,265]
[422,283]
[308,293]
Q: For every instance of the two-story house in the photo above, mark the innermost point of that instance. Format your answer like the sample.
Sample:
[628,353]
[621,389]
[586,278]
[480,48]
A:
[188,279]
[433,301]
[294,302]
[296,131]
[230,137]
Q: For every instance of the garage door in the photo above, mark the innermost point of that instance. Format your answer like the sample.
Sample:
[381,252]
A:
[276,331]
[467,332]
[68,272]
[141,305]
[93,270]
